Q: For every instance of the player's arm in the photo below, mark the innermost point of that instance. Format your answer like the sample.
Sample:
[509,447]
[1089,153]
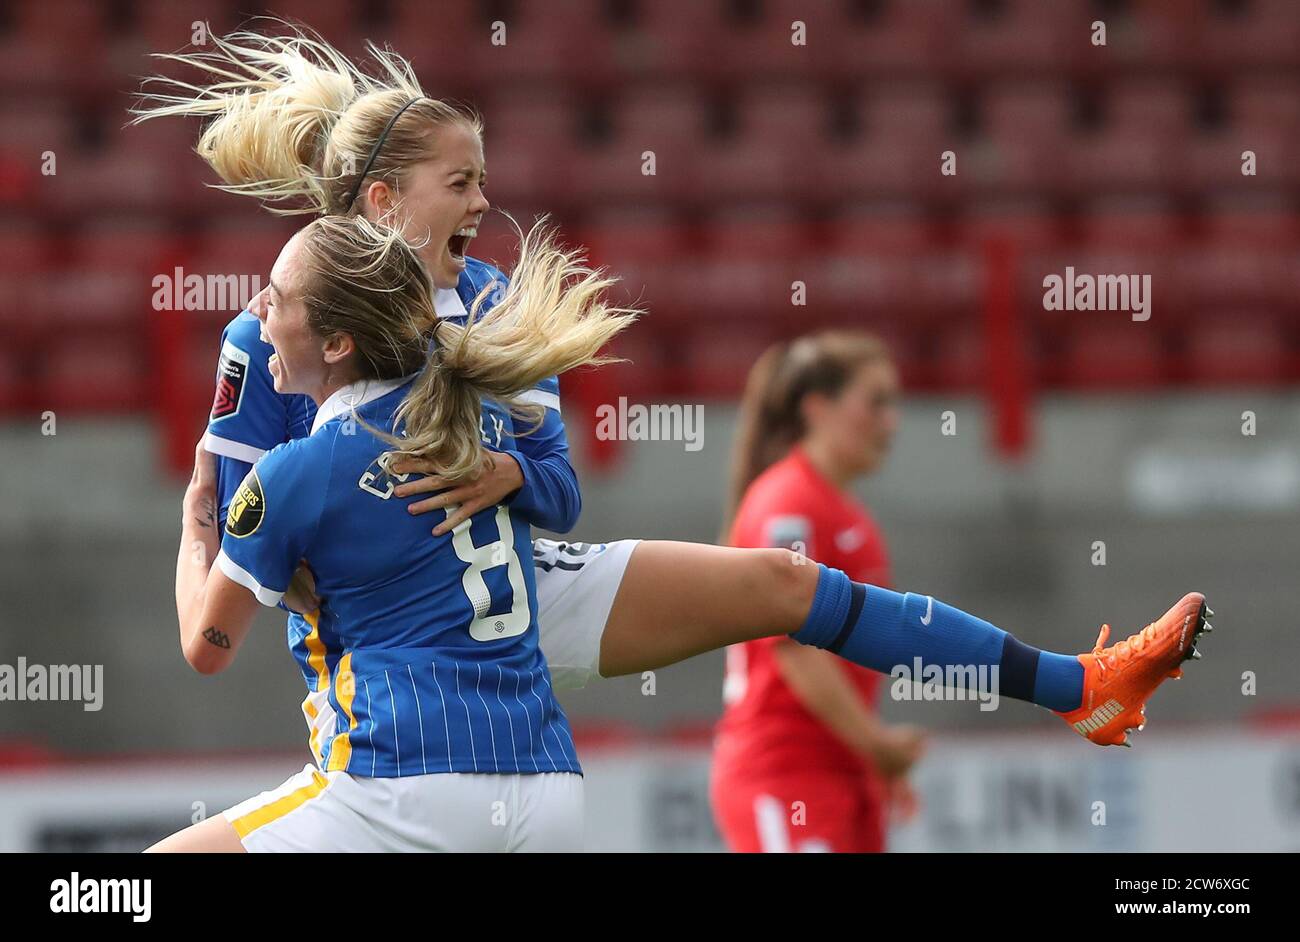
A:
[248,417]
[535,477]
[549,497]
[269,529]
[214,612]
[818,680]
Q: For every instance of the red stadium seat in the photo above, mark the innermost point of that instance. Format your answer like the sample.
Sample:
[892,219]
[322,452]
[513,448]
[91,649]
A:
[646,248]
[1235,348]
[902,133]
[25,246]
[714,361]
[1105,350]
[566,39]
[793,116]
[337,21]
[1145,133]
[103,374]
[142,244]
[1265,102]
[871,227]
[1026,133]
[1021,35]
[1234,272]
[1151,223]
[29,126]
[168,25]
[1146,34]
[670,121]
[959,360]
[75,23]
[901,36]
[1259,33]
[109,181]
[1263,220]
[529,140]
[675,39]
[38,64]
[765,40]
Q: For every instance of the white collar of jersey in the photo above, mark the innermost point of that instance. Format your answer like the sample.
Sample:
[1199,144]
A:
[448,303]
[354,396]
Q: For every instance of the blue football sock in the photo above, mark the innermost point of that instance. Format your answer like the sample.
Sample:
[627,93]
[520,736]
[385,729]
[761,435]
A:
[882,629]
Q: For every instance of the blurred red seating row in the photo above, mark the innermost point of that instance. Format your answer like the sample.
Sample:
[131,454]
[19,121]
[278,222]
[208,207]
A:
[113,372]
[578,38]
[729,173]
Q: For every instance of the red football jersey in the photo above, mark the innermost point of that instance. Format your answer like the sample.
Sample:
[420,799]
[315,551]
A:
[765,729]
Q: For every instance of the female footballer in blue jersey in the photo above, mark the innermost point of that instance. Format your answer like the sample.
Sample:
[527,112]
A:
[294,120]
[430,704]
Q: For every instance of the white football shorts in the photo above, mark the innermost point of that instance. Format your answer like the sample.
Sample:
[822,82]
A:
[576,586]
[454,812]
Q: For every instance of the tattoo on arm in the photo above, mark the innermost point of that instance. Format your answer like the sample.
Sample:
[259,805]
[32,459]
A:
[207,516]
[219,638]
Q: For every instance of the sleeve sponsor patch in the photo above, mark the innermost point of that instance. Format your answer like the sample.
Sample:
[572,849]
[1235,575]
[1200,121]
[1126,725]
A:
[247,507]
[232,372]
[790,532]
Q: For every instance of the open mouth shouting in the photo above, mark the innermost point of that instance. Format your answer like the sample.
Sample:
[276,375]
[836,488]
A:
[458,245]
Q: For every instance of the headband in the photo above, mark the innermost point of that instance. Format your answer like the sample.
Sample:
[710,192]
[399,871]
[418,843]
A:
[374,151]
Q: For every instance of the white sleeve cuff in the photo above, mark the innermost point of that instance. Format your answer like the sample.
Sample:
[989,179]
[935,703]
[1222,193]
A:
[228,449]
[236,573]
[538,397]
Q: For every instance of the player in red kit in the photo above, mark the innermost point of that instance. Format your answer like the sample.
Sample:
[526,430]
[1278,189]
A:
[801,761]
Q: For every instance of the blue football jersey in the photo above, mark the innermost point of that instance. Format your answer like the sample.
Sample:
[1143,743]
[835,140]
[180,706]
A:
[249,417]
[424,656]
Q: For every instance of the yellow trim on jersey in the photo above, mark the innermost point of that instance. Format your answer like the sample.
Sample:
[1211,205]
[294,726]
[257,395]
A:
[316,661]
[316,651]
[264,815]
[345,691]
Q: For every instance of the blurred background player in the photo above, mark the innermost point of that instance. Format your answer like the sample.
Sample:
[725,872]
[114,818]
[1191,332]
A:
[801,760]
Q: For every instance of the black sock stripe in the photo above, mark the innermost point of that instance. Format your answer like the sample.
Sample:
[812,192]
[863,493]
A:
[857,596]
[1018,670]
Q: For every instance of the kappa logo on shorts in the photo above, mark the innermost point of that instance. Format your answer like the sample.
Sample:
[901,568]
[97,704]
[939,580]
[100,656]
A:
[231,373]
[247,508]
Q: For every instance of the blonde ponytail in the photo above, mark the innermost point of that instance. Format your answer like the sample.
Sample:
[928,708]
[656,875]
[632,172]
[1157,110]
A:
[366,280]
[293,119]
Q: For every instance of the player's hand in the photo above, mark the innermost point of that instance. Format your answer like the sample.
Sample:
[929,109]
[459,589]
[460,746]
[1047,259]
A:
[301,595]
[496,481]
[904,803]
[900,748]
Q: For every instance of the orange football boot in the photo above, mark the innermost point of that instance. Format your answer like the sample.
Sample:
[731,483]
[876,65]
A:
[1118,680]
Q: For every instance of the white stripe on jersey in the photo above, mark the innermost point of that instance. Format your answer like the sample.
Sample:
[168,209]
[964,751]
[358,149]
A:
[531,751]
[370,711]
[419,716]
[540,397]
[232,449]
[509,719]
[542,707]
[236,573]
[446,730]
[469,722]
[397,740]
[496,765]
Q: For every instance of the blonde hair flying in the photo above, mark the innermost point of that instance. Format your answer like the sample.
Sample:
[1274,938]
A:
[293,120]
[367,280]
